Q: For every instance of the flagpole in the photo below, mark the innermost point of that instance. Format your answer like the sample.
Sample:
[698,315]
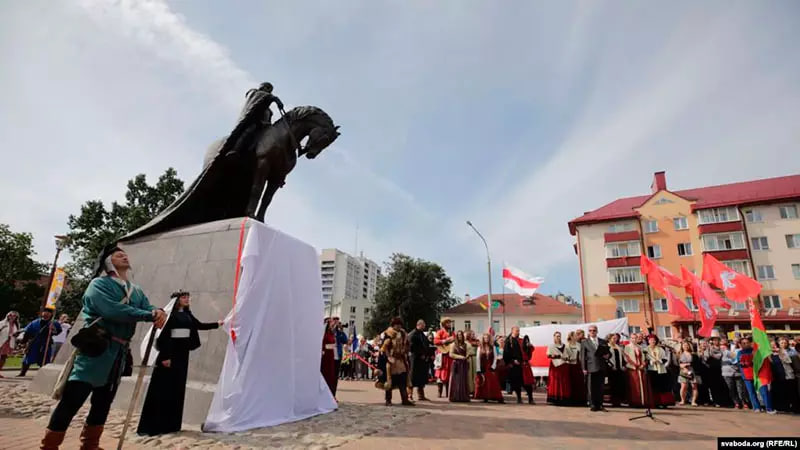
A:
[489,267]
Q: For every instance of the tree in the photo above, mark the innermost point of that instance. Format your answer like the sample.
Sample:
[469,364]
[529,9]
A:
[96,226]
[19,274]
[412,289]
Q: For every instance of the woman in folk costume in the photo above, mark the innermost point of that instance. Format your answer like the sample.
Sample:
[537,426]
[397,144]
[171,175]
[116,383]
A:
[558,380]
[328,362]
[639,393]
[442,340]
[395,354]
[458,391]
[472,360]
[9,328]
[616,373]
[577,382]
[114,304]
[487,386]
[163,406]
[657,372]
[528,380]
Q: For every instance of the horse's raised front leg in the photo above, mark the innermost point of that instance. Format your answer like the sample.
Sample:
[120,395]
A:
[272,187]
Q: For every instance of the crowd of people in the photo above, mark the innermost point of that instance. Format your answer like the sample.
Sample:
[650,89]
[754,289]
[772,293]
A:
[38,342]
[642,371]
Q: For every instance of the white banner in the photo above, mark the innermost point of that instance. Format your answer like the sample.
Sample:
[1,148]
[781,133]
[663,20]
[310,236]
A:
[542,336]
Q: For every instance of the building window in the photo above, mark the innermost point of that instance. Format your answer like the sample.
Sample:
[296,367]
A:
[738,306]
[496,325]
[752,215]
[740,266]
[555,322]
[366,311]
[681,223]
[788,212]
[796,271]
[727,241]
[717,215]
[654,251]
[650,226]
[765,272]
[759,243]
[624,275]
[536,323]
[793,240]
[634,329]
[467,325]
[622,249]
[664,332]
[628,305]
[620,227]
[690,304]
[660,305]
[352,310]
[772,302]
[520,323]
[685,249]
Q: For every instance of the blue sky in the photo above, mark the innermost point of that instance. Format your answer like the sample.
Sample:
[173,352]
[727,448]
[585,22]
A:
[518,117]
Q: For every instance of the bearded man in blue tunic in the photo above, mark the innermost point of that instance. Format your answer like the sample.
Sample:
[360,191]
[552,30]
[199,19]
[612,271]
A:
[118,304]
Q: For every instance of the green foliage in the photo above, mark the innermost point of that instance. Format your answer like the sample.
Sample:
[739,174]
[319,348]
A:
[412,289]
[97,226]
[19,273]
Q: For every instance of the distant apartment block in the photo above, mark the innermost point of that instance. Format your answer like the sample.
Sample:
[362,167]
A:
[348,284]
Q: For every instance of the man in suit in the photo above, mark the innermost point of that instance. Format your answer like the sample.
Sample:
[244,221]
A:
[593,351]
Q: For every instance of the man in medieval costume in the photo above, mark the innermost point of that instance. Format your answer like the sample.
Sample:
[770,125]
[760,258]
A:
[442,339]
[256,116]
[420,359]
[113,303]
[39,334]
[395,351]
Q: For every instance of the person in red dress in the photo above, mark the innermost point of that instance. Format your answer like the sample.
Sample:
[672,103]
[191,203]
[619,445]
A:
[328,364]
[558,380]
[487,385]
[442,340]
[639,393]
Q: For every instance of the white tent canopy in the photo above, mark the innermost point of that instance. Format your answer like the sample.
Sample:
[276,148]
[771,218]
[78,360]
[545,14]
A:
[271,374]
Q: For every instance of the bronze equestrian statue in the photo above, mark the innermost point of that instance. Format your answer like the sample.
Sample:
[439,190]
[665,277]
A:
[242,171]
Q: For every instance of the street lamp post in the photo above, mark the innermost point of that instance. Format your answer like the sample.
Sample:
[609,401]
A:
[489,267]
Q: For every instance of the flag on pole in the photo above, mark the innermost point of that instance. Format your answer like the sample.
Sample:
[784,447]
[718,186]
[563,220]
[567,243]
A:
[56,287]
[659,278]
[762,367]
[705,299]
[520,282]
[736,286]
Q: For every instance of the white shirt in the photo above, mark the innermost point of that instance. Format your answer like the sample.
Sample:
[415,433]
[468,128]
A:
[62,337]
[594,341]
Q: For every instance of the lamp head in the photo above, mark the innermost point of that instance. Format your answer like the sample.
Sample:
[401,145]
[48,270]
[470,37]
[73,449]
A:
[469,223]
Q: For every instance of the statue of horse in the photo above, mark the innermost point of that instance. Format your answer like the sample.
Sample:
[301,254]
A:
[245,185]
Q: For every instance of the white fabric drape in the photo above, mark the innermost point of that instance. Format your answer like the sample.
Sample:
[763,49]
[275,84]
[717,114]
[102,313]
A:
[271,375]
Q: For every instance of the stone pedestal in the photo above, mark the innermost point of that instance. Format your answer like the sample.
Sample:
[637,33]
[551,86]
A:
[200,259]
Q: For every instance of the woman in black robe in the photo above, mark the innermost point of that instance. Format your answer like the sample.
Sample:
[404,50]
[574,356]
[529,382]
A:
[163,407]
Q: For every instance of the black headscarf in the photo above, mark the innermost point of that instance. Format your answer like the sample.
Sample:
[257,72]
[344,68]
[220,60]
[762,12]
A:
[100,263]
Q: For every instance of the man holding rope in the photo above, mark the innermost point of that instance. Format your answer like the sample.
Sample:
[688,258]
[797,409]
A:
[112,305]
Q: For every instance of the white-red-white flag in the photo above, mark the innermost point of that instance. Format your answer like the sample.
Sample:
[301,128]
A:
[520,282]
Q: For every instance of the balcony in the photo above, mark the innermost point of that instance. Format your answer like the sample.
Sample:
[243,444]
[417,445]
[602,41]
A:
[727,255]
[625,288]
[624,261]
[723,227]
[622,236]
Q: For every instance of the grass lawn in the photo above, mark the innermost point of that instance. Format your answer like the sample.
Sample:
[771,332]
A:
[13,362]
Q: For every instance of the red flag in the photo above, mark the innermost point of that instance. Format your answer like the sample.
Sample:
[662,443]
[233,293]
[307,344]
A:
[708,313]
[736,286]
[703,288]
[656,278]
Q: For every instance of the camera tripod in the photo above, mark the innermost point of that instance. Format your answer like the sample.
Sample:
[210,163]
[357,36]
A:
[649,413]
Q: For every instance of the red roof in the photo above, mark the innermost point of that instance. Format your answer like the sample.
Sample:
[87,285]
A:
[744,193]
[517,304]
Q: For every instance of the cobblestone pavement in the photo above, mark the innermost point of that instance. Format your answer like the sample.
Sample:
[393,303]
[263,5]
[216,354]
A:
[363,422]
